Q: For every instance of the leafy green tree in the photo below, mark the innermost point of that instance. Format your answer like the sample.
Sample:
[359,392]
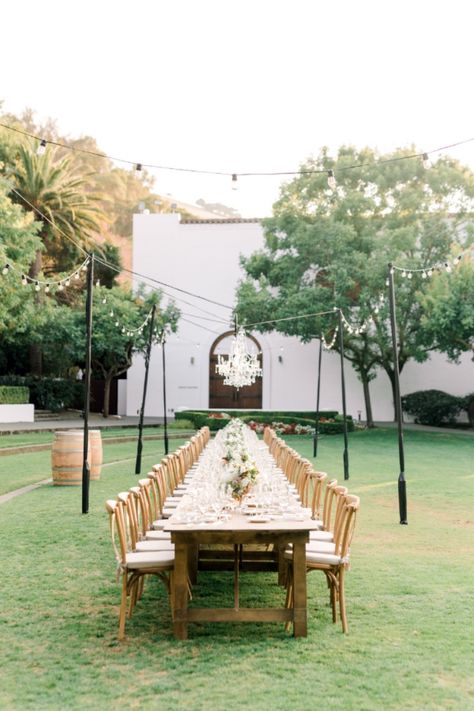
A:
[329,248]
[18,243]
[448,311]
[115,337]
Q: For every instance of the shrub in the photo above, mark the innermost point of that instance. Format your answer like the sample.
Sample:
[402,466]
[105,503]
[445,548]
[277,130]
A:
[467,404]
[14,395]
[53,394]
[432,407]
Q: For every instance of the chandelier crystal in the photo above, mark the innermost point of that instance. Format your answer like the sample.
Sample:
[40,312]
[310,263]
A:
[241,368]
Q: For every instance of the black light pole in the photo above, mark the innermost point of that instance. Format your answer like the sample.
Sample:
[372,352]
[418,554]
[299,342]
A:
[316,428]
[138,463]
[163,341]
[402,492]
[343,388]
[87,386]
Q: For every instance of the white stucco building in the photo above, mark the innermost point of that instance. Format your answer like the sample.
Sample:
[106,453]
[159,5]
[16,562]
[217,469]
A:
[203,257]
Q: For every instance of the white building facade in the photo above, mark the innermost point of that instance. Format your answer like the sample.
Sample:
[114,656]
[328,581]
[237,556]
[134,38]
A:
[203,257]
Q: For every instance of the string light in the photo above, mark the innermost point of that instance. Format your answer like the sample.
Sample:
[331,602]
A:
[302,171]
[40,151]
[138,170]
[428,271]
[48,285]
[234,181]
[328,346]
[425,159]
[331,180]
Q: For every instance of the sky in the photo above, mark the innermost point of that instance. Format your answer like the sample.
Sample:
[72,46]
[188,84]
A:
[242,85]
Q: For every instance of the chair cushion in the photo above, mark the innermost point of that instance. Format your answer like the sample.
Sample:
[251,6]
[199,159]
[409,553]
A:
[320,547]
[147,546]
[320,536]
[157,536]
[159,524]
[314,558]
[154,559]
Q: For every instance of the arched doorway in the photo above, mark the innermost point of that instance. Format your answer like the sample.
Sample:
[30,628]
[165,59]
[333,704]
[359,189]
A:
[222,396]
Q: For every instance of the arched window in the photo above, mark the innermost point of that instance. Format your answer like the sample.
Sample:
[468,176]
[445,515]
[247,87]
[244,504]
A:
[222,396]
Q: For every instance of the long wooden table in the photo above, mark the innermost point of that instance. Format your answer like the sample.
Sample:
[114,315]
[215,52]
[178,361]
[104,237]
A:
[240,532]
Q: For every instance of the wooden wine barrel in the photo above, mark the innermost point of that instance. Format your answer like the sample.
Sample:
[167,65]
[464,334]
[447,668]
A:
[67,454]
[95,453]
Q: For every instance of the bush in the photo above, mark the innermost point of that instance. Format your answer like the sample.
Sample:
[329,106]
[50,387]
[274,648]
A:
[432,407]
[14,395]
[286,423]
[53,394]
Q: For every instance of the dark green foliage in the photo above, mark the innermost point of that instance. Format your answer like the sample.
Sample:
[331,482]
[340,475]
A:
[53,394]
[201,418]
[432,407]
[14,395]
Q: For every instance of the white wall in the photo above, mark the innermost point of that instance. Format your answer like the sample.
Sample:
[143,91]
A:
[17,413]
[204,258]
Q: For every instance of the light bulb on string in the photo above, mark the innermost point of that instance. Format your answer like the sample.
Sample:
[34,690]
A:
[5,269]
[104,300]
[37,286]
[24,280]
[448,267]
[60,286]
[331,180]
[138,171]
[67,282]
[40,151]
[425,159]
[111,313]
[410,275]
[76,276]
[117,324]
[234,181]
[430,272]
[46,288]
[423,275]
[404,273]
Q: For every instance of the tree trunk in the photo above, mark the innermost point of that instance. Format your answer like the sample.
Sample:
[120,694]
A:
[107,384]
[391,376]
[368,405]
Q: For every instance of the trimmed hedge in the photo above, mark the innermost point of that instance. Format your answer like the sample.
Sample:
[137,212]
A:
[14,395]
[432,407]
[53,394]
[201,418]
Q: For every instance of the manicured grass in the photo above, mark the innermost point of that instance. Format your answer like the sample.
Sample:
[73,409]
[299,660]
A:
[45,437]
[22,469]
[410,592]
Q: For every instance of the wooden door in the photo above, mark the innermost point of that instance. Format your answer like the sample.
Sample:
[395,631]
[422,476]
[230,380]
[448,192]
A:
[223,397]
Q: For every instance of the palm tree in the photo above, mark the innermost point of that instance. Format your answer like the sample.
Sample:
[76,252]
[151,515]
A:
[57,192]
[51,188]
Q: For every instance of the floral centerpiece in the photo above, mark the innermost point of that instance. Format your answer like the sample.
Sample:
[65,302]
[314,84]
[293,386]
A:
[240,471]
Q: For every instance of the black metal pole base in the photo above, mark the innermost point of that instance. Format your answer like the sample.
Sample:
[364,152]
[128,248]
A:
[402,500]
[138,462]
[315,446]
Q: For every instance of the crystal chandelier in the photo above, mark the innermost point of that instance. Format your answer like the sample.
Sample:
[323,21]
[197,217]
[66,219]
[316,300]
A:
[240,368]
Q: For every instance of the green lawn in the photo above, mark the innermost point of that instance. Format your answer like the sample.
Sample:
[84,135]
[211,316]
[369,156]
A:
[410,599]
[45,437]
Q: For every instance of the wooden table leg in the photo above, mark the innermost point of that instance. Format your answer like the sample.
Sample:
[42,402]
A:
[300,625]
[180,591]
[193,558]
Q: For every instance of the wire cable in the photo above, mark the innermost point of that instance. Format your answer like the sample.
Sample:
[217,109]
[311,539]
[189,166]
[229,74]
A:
[301,171]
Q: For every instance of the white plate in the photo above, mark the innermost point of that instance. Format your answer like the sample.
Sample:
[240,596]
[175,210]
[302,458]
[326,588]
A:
[260,519]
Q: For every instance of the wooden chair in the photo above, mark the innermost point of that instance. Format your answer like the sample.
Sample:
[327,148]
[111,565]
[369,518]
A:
[134,566]
[333,564]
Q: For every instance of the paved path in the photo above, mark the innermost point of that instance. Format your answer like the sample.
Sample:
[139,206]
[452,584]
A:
[24,490]
[75,421]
